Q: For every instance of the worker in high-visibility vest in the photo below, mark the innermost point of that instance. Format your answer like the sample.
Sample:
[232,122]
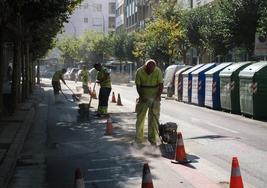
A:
[149,85]
[85,79]
[58,75]
[103,78]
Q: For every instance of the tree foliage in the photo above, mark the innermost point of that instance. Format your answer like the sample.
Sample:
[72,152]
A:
[240,20]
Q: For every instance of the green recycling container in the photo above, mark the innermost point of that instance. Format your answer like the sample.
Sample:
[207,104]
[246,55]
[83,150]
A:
[253,90]
[229,87]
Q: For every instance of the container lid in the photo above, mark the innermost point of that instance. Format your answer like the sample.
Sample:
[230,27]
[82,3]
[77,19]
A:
[217,68]
[202,69]
[192,69]
[250,71]
[183,69]
[228,71]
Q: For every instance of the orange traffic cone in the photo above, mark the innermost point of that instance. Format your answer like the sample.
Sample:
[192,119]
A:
[109,128]
[119,100]
[78,182]
[113,98]
[236,178]
[180,155]
[147,178]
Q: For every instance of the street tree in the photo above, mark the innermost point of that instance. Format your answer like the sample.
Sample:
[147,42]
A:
[26,23]
[241,19]
[70,48]
[119,47]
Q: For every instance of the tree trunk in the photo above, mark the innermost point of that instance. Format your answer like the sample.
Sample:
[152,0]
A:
[23,96]
[31,74]
[1,70]
[184,56]
[16,76]
[27,69]
[38,72]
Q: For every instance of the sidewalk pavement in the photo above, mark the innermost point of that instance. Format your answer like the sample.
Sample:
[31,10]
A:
[13,133]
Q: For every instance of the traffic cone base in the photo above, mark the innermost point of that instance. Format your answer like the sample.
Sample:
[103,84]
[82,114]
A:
[147,178]
[236,178]
[180,155]
[109,128]
[79,181]
[119,100]
[113,98]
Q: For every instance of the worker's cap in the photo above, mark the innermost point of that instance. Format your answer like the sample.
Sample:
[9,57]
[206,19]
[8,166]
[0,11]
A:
[151,61]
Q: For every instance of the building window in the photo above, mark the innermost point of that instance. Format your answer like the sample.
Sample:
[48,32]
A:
[111,22]
[97,7]
[85,6]
[85,20]
[111,7]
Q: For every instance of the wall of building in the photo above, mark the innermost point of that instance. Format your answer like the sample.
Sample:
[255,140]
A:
[97,15]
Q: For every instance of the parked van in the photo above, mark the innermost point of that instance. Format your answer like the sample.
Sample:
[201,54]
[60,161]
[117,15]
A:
[169,78]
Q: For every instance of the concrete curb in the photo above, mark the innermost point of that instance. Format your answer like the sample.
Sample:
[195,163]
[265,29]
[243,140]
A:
[8,164]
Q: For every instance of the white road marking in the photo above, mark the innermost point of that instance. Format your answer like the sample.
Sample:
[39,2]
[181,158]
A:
[111,179]
[114,157]
[112,167]
[101,169]
[215,125]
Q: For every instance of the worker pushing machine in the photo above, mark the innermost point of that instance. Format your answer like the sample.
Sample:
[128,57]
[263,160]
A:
[149,85]
[58,75]
[85,79]
[103,78]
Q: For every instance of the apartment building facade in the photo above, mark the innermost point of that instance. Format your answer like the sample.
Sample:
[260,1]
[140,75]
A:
[133,14]
[97,15]
[194,3]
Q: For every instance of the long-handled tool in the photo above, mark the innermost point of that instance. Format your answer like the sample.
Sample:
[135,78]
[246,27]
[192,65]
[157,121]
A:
[67,99]
[91,96]
[75,98]
[167,132]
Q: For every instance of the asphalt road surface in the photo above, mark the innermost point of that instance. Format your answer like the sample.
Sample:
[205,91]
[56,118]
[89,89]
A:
[211,139]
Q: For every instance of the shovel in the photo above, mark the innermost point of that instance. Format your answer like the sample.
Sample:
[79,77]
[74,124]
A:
[74,97]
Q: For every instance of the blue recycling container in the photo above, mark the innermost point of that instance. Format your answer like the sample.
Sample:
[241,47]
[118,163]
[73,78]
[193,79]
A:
[198,84]
[212,89]
[187,83]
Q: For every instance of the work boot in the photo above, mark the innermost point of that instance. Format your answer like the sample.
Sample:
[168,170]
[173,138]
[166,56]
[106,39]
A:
[153,143]
[137,145]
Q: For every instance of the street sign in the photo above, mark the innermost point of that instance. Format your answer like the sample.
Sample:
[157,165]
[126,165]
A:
[260,45]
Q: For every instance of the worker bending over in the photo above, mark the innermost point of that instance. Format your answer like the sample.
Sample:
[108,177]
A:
[58,75]
[149,85]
